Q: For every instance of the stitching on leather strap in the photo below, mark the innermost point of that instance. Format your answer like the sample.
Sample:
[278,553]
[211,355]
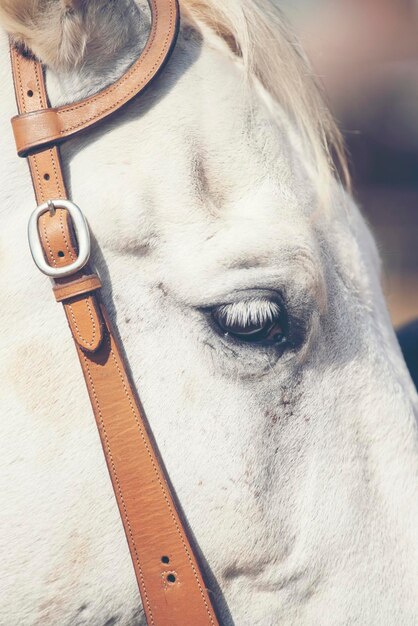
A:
[156,470]
[133,69]
[38,83]
[54,166]
[125,78]
[160,482]
[20,82]
[51,253]
[65,237]
[85,342]
[125,513]
[40,186]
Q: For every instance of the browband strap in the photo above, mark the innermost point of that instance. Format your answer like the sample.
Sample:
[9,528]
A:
[41,128]
[169,578]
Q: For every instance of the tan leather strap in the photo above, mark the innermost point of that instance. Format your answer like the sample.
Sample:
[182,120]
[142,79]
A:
[37,129]
[78,287]
[170,581]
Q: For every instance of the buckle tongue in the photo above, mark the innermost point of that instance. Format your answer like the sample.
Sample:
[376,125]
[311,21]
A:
[82,232]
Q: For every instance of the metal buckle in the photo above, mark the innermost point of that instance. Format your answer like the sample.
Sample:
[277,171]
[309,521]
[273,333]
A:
[81,230]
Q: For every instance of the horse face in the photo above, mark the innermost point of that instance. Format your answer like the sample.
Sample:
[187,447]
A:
[247,296]
[252,314]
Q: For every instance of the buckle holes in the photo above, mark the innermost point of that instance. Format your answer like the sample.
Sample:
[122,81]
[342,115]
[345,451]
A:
[47,177]
[165,559]
[61,254]
[171,578]
[30,93]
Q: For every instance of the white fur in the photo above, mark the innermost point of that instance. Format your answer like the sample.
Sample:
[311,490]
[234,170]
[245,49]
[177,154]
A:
[297,473]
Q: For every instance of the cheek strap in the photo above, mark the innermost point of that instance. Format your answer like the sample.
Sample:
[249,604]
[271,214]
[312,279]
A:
[169,577]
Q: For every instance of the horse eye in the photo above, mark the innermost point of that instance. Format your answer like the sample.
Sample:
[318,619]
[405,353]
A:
[266,324]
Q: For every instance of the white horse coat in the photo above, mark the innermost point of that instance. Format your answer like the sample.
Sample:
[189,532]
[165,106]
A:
[296,465]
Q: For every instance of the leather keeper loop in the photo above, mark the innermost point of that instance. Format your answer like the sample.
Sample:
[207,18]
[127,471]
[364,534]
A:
[79,287]
[36,130]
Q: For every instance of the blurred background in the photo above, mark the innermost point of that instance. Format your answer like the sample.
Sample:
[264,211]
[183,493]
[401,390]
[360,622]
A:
[365,52]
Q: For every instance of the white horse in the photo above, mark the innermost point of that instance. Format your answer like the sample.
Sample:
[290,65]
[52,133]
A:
[245,285]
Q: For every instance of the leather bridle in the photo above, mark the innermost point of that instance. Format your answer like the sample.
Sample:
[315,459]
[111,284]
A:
[169,577]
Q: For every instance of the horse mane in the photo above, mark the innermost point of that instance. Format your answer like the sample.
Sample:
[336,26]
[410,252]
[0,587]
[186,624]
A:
[59,31]
[257,31]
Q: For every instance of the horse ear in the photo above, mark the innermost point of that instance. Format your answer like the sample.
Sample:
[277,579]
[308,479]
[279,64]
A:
[54,32]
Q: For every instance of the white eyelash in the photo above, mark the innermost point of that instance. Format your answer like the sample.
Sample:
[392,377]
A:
[249,312]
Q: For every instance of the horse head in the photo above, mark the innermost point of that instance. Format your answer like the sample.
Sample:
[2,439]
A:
[246,288]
